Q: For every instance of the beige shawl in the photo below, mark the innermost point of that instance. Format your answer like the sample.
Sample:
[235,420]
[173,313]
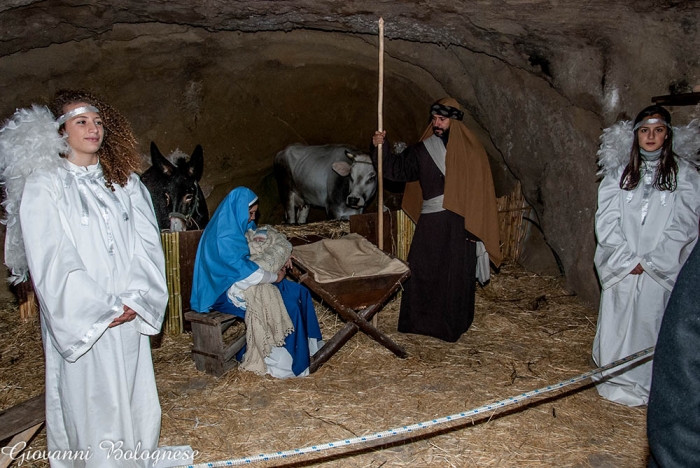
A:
[266,319]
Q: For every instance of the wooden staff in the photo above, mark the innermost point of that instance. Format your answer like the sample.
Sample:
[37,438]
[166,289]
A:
[380,178]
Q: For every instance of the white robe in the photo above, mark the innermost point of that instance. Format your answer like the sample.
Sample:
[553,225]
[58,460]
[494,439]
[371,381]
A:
[90,251]
[657,230]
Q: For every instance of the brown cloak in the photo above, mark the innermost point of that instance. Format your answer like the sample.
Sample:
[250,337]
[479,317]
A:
[469,189]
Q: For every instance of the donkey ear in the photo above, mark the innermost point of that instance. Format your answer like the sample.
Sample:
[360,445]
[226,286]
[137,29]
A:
[160,162]
[196,164]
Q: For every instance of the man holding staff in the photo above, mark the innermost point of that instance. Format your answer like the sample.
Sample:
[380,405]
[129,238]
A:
[450,196]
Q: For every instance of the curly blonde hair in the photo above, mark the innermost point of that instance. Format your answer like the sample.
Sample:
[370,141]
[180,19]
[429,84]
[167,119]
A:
[118,154]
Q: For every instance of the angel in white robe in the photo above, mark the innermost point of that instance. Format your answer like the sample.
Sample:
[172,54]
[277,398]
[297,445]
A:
[646,227]
[87,227]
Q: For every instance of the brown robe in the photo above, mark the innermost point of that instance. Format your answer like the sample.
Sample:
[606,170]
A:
[438,297]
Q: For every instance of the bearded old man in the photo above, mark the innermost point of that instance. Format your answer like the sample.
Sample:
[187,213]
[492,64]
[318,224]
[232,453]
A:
[450,196]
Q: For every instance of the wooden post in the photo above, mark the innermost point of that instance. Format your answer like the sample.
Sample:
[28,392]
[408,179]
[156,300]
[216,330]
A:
[380,151]
[28,306]
[380,125]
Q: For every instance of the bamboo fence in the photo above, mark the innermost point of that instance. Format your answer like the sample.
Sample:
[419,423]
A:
[405,228]
[173,323]
[511,211]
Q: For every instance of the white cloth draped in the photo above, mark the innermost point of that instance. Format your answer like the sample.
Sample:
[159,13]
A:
[90,251]
[657,230]
[279,362]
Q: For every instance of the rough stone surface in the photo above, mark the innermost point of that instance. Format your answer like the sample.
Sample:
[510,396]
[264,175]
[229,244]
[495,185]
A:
[540,79]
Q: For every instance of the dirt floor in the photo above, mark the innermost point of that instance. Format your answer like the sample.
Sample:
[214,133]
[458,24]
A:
[528,333]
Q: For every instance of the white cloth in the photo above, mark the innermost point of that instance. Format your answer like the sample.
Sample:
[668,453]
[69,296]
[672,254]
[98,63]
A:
[90,251]
[279,361]
[267,320]
[483,266]
[437,150]
[236,293]
[657,230]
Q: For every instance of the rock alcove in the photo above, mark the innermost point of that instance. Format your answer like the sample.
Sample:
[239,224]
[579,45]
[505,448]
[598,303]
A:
[539,80]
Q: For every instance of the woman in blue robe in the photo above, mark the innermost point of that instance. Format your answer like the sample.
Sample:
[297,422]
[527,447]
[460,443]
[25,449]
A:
[223,263]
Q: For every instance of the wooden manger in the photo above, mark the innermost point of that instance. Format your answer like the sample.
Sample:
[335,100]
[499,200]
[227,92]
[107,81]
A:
[355,299]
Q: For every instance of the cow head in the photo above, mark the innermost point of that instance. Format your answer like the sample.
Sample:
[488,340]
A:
[362,179]
[174,186]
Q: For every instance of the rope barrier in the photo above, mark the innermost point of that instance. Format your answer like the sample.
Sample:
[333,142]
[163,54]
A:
[425,424]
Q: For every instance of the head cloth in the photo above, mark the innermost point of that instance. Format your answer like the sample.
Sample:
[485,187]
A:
[223,255]
[650,121]
[446,111]
[77,111]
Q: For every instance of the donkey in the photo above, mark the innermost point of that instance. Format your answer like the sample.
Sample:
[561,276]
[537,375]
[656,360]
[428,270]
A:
[174,186]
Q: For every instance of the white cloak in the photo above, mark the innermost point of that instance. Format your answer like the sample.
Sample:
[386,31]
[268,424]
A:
[90,251]
[657,230]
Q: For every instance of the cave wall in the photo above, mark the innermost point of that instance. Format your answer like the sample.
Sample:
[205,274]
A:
[243,96]
[539,80]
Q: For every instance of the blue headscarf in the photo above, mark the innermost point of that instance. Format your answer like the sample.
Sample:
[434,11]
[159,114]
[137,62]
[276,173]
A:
[223,256]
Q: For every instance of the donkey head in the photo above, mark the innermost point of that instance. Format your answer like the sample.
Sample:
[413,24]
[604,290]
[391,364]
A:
[174,186]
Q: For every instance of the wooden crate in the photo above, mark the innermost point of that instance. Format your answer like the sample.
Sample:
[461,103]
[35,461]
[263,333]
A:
[210,350]
[18,425]
[365,224]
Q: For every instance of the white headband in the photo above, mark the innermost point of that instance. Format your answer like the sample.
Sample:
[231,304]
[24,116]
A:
[650,121]
[77,111]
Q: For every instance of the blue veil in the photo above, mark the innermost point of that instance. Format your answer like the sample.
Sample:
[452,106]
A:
[223,256]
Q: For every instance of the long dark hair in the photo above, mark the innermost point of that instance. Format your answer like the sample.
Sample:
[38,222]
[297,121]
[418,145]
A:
[666,171]
[118,154]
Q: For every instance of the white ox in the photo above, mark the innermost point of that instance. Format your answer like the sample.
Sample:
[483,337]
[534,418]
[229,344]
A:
[334,177]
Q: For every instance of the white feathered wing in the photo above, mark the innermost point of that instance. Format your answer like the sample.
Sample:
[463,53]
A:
[616,144]
[29,140]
